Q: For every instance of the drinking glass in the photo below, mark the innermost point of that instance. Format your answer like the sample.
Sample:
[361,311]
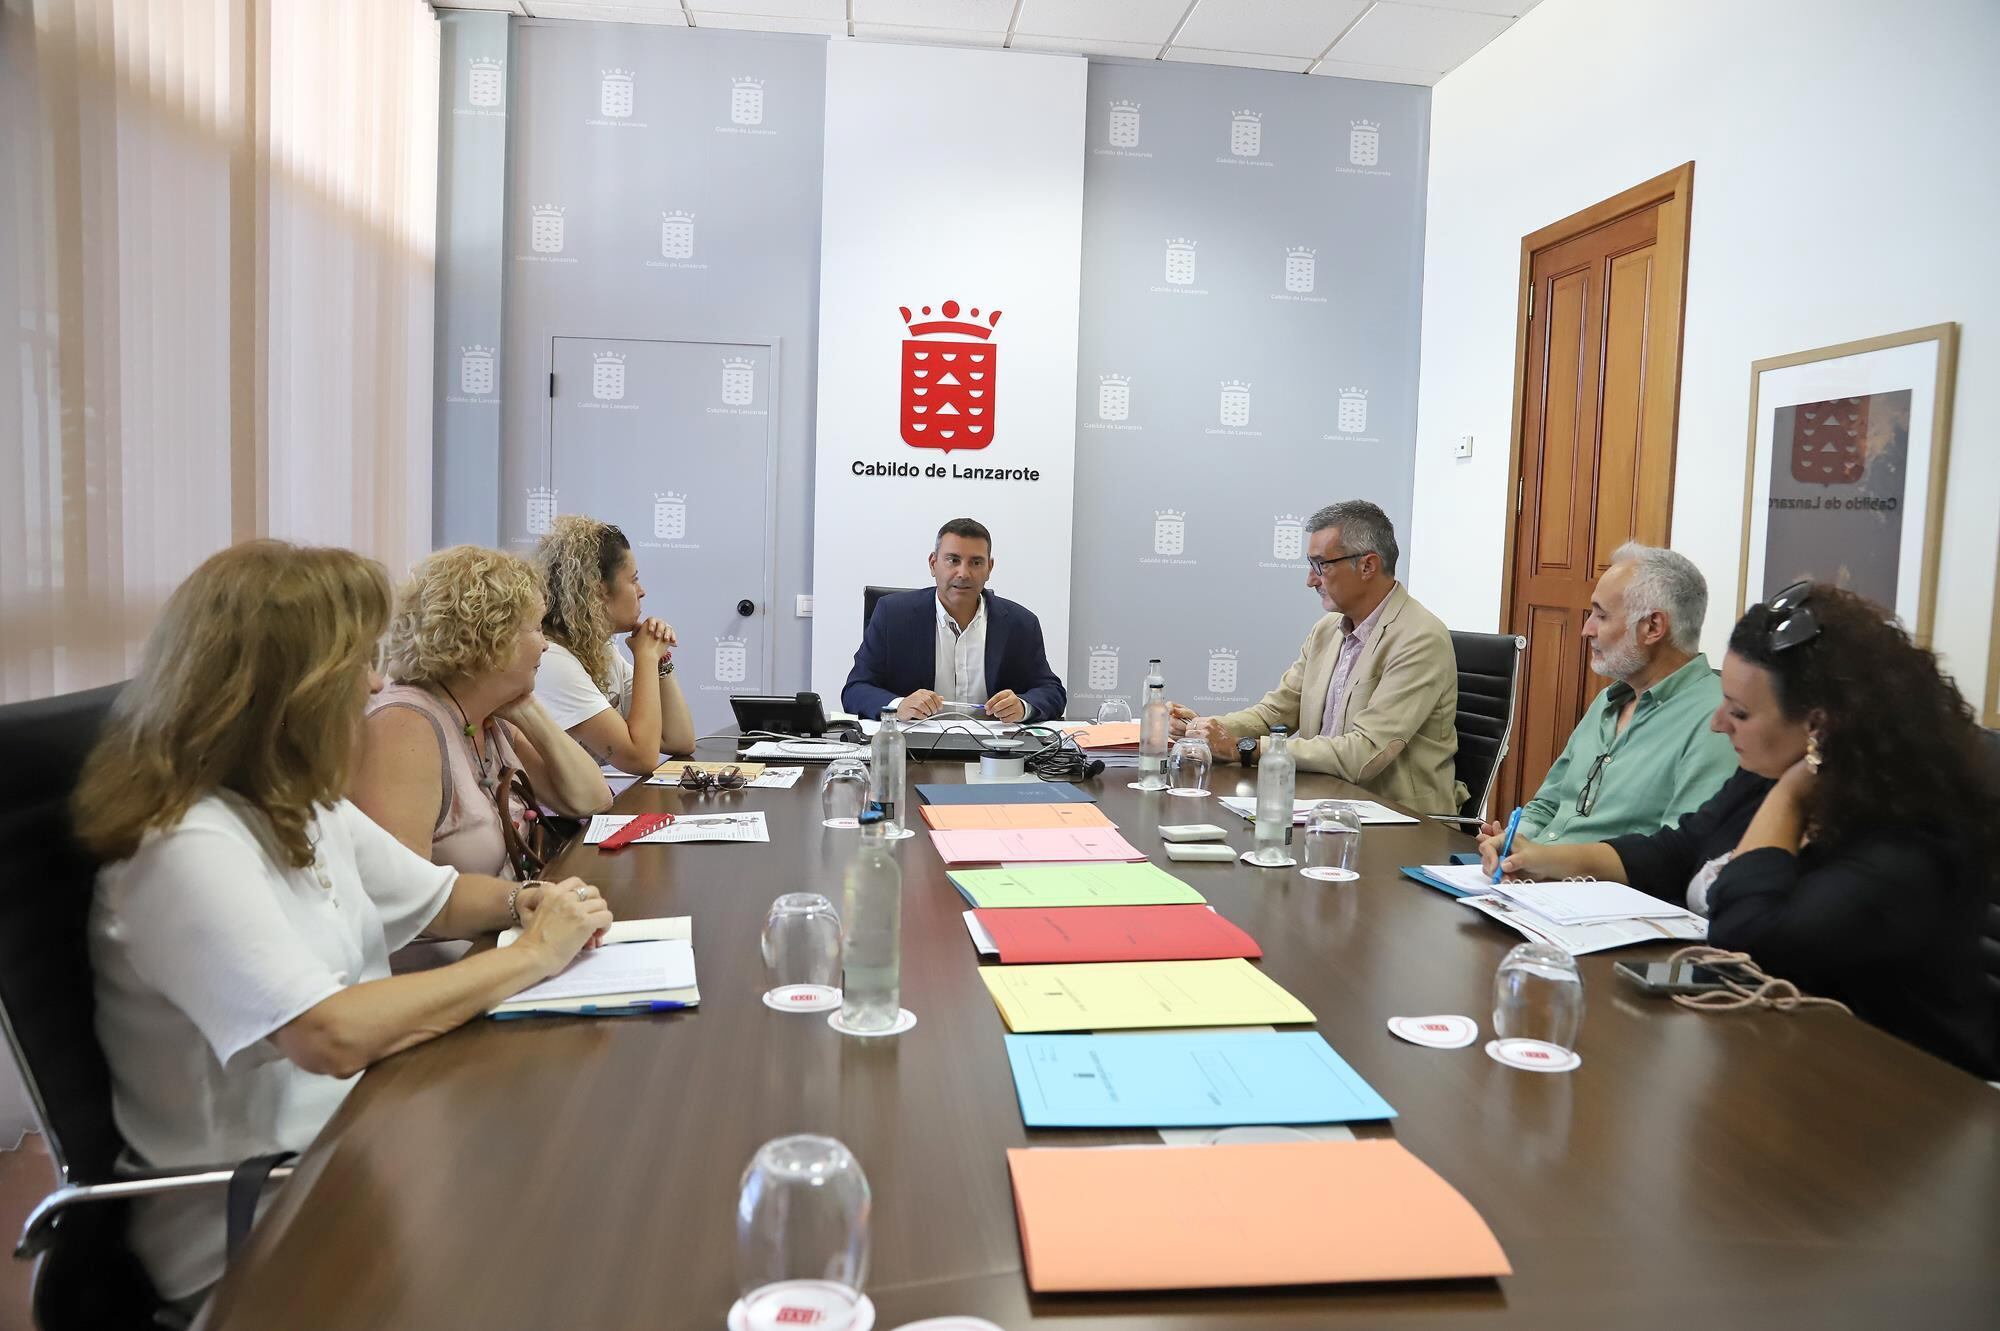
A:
[1538,995]
[1113,710]
[801,948]
[1187,768]
[801,1236]
[843,792]
[1333,842]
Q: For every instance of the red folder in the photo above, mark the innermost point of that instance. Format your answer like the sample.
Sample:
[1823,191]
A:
[1114,933]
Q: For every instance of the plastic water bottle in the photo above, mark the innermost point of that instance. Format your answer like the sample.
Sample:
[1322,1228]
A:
[888,777]
[1277,782]
[871,933]
[1153,726]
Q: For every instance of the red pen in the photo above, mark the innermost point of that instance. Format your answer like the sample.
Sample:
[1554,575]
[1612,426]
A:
[641,825]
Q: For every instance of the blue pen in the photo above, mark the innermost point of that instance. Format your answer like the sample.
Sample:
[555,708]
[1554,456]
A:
[592,1010]
[1507,846]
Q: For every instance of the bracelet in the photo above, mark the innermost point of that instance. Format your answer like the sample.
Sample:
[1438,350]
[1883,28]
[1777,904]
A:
[666,666]
[512,896]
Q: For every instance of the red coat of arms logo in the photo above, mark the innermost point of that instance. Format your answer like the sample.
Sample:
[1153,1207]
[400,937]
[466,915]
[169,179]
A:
[1830,441]
[950,370]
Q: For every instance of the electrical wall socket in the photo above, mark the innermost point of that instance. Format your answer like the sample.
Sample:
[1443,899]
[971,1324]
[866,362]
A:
[805,608]
[1463,449]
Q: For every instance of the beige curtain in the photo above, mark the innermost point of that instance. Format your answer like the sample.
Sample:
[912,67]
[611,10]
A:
[217,244]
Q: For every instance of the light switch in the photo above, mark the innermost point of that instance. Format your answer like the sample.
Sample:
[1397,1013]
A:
[805,607]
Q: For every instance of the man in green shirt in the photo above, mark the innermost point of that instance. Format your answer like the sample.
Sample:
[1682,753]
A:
[1643,754]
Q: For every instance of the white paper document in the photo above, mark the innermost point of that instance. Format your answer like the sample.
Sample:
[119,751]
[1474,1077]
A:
[685,827]
[1574,901]
[1370,813]
[1578,939]
[621,969]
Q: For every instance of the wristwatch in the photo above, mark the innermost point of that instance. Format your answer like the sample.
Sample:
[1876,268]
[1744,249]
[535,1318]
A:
[1246,751]
[666,666]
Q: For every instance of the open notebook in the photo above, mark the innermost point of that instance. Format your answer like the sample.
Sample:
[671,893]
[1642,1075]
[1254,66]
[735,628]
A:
[640,961]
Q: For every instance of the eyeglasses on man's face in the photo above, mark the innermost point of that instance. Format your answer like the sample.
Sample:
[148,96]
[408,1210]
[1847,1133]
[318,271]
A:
[1320,566]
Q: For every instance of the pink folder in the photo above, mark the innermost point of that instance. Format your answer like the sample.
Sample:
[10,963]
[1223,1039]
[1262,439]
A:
[1212,1217]
[1034,845]
[1114,933]
[1011,817]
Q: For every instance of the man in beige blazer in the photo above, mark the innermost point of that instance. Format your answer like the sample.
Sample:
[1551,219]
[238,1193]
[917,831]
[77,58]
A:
[1373,697]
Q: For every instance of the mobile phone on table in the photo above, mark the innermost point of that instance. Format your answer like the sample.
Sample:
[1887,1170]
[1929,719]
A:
[1680,977]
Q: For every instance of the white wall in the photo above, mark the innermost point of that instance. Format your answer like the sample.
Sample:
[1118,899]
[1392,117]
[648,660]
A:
[1847,183]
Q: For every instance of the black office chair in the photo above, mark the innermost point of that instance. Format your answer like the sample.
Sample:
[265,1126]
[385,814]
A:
[871,595]
[85,1275]
[1489,684]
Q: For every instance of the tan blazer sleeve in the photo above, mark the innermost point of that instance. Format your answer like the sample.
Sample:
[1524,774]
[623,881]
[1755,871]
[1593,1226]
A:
[1279,707]
[1418,670]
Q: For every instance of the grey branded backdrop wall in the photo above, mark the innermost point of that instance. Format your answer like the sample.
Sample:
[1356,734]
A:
[662,262]
[471,268]
[1252,284]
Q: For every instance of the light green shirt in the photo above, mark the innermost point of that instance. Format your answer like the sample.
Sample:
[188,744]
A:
[1666,763]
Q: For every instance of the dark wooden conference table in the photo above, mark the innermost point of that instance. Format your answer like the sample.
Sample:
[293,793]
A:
[1698,1170]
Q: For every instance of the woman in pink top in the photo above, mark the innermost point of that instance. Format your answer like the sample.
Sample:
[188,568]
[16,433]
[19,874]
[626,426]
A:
[442,742]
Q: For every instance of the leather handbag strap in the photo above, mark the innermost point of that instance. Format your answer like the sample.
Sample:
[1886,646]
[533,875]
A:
[245,1186]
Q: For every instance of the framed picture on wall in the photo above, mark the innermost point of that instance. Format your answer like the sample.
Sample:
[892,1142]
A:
[1847,467]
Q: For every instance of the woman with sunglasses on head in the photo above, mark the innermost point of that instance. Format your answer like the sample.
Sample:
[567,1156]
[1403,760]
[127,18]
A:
[243,919]
[625,713]
[457,752]
[1845,854]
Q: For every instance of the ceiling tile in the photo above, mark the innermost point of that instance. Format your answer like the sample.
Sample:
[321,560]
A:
[669,13]
[708,18]
[1084,46]
[1342,69]
[898,32]
[1102,20]
[1269,27]
[1417,36]
[1290,64]
[974,15]
[1511,8]
[826,10]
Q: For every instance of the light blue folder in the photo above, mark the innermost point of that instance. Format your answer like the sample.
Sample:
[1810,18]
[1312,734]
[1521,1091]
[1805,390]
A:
[1194,1080]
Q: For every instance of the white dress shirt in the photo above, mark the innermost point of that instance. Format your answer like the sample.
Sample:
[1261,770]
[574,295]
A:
[961,656]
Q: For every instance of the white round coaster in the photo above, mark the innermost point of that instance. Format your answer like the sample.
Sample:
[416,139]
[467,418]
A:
[949,1324]
[843,824]
[1329,875]
[905,1020]
[1261,1133]
[1151,790]
[1533,1055]
[1189,794]
[1440,1032]
[802,998]
[1286,863]
[903,834]
[795,1303]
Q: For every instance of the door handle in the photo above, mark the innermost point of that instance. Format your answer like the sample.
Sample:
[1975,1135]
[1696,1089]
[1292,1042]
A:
[746,607]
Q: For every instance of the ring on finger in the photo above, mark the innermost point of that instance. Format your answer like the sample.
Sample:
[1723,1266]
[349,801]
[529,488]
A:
[583,894]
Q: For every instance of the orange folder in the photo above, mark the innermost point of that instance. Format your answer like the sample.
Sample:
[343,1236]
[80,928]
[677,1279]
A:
[1110,735]
[1212,1217]
[1011,817]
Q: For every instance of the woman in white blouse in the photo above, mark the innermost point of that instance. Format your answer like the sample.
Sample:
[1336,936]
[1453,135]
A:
[592,584]
[244,917]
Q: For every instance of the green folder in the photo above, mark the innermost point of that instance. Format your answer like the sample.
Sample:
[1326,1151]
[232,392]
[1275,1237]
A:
[1074,885]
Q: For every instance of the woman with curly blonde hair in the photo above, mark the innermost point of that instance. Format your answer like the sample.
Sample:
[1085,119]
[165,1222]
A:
[242,923]
[445,741]
[592,583]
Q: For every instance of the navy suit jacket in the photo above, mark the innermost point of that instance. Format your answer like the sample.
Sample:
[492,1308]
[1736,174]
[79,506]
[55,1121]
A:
[898,655]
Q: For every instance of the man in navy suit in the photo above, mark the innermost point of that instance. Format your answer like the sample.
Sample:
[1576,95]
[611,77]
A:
[923,650]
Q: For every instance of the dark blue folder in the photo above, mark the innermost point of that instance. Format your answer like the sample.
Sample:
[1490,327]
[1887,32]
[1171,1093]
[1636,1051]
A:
[1004,792]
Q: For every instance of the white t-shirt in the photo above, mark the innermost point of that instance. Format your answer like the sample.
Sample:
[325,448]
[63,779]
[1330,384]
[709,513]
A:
[203,944]
[567,691]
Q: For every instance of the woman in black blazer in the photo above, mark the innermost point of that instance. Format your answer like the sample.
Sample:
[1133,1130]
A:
[1846,853]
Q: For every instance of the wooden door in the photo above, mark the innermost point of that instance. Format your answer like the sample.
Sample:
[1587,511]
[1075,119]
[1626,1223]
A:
[1598,392]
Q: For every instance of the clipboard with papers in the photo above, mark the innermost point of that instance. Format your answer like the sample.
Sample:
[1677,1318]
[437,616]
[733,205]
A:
[642,966]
